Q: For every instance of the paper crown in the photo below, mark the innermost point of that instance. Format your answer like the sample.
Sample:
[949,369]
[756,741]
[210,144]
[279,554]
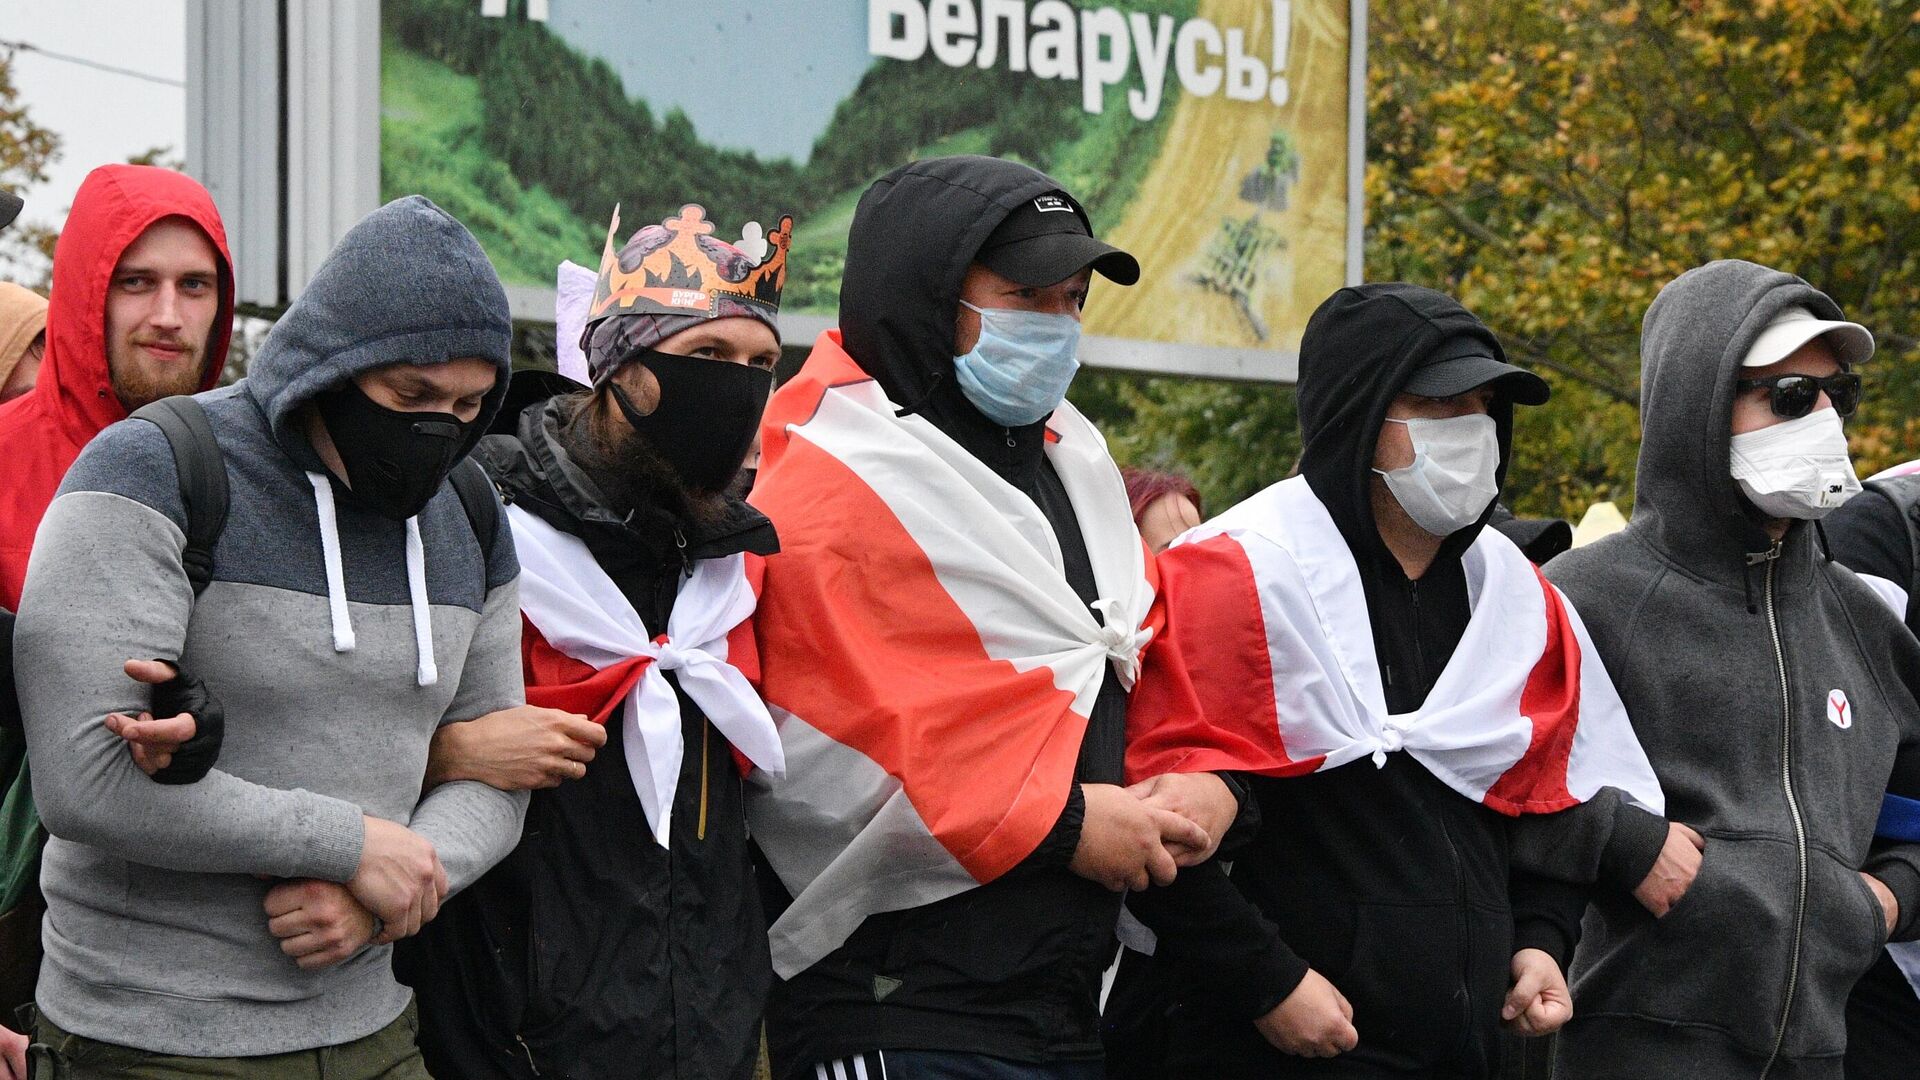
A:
[678,268]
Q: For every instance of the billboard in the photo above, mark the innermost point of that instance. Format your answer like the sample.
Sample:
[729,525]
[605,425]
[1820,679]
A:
[1218,140]
[1214,139]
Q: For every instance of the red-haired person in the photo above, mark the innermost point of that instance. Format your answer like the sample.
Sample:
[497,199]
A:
[1165,504]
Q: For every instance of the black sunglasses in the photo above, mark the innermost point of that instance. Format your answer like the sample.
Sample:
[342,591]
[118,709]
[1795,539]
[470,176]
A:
[1795,396]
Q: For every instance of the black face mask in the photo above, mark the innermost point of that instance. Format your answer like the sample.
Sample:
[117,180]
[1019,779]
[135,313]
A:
[395,460]
[706,418]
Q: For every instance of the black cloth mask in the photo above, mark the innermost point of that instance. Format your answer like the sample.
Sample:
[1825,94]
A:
[708,412]
[395,460]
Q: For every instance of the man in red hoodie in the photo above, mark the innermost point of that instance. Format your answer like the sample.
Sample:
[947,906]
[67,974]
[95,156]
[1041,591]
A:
[142,309]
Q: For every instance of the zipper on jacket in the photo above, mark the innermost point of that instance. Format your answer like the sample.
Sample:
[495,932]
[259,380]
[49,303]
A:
[1771,557]
[1419,641]
[680,543]
[706,726]
[528,1051]
[1466,923]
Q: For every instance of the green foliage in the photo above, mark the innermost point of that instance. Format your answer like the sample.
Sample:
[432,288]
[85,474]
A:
[1101,159]
[563,122]
[505,120]
[1554,165]
[871,133]
[1232,439]
[430,142]
[26,149]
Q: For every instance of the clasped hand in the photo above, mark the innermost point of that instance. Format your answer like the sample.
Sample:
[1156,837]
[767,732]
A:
[1143,834]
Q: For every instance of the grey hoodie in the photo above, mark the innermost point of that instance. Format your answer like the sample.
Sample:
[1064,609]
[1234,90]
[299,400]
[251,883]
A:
[333,682]
[1731,653]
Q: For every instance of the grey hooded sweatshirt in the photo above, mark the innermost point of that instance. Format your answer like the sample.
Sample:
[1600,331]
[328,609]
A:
[1776,698]
[334,678]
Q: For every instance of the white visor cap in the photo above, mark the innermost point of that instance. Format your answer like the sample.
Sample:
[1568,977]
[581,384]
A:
[1795,326]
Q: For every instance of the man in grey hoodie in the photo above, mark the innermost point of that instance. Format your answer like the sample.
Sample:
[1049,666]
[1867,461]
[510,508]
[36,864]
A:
[239,925]
[1774,694]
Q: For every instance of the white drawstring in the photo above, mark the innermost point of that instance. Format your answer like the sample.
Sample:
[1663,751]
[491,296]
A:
[426,674]
[330,551]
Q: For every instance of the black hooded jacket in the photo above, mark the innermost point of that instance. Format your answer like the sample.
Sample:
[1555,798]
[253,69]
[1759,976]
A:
[1384,880]
[590,951]
[1011,968]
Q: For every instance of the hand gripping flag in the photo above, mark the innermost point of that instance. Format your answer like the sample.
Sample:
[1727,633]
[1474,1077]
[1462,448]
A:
[1267,665]
[587,651]
[929,666]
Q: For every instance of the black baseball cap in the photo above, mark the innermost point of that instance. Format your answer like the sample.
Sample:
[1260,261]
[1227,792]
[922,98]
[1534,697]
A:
[10,205]
[1045,240]
[1465,362]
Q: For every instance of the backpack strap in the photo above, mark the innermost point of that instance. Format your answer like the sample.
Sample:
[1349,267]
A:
[477,497]
[203,479]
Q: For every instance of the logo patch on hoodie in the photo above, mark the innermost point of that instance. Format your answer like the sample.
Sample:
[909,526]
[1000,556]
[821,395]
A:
[1839,709]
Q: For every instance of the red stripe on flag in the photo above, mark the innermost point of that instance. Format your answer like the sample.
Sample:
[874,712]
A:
[857,636]
[1537,783]
[1205,700]
[558,681]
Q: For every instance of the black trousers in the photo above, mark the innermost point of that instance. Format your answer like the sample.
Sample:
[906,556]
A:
[1883,1025]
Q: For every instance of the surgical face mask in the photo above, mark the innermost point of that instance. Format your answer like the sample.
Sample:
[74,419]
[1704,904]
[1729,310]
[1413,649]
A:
[1018,372]
[704,422]
[1451,480]
[395,460]
[1797,468]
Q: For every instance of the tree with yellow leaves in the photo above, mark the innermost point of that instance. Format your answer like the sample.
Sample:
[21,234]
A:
[1554,164]
[26,149]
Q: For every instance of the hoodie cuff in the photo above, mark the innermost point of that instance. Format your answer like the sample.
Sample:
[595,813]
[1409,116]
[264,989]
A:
[1246,822]
[1632,847]
[1278,975]
[1057,847]
[1547,936]
[336,835]
[1900,877]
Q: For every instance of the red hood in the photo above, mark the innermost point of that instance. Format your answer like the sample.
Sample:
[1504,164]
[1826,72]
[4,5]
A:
[42,431]
[113,207]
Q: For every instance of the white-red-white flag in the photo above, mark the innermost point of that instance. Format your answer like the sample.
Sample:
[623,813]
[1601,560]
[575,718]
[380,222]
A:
[929,666]
[1267,665]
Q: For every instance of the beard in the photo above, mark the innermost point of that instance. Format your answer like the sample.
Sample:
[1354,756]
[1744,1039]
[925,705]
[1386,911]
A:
[629,473]
[137,383]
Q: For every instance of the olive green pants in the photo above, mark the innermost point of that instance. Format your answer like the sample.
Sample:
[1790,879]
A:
[387,1054]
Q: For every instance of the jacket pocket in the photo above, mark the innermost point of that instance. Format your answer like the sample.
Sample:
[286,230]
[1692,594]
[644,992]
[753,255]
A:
[1845,932]
[1719,958]
[1407,978]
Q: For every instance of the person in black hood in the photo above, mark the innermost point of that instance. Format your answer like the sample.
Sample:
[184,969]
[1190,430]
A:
[1877,536]
[961,298]
[620,938]
[1774,692]
[1407,929]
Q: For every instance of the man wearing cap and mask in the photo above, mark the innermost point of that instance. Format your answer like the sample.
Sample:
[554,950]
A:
[1406,690]
[947,639]
[624,936]
[1774,693]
